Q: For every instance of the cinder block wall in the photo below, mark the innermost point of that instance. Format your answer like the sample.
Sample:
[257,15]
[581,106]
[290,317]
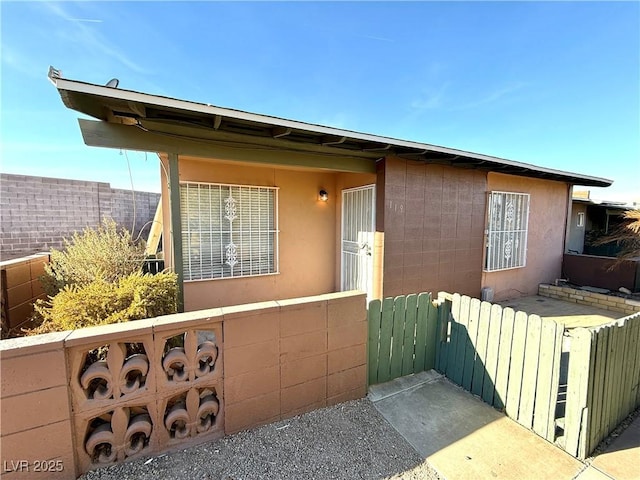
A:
[293,356]
[20,287]
[613,303]
[122,209]
[433,218]
[279,359]
[36,428]
[36,213]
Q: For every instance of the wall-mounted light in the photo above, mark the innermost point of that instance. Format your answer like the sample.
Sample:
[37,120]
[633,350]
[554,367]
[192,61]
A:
[323,196]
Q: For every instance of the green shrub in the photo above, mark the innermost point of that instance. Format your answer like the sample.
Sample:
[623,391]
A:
[133,297]
[103,254]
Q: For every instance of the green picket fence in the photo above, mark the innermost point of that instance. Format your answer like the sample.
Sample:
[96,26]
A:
[603,382]
[509,359]
[512,361]
[402,336]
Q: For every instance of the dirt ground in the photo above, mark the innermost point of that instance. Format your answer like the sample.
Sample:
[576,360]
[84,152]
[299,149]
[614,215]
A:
[348,441]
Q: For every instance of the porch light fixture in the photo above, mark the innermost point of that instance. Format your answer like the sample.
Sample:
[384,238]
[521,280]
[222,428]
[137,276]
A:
[323,195]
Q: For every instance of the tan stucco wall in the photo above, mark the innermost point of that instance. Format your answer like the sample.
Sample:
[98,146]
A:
[308,231]
[545,241]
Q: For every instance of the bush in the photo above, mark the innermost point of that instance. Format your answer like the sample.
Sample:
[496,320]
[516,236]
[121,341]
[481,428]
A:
[103,254]
[133,297]
[626,235]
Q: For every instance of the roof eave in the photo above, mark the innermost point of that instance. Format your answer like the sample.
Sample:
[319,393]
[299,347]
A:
[72,91]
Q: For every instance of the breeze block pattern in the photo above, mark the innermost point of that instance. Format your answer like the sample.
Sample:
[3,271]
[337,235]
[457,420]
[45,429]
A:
[98,396]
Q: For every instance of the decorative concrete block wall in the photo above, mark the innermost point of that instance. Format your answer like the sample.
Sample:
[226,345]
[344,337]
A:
[36,213]
[613,303]
[174,381]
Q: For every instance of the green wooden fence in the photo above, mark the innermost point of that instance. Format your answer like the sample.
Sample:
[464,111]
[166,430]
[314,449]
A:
[603,382]
[402,336]
[509,359]
[512,361]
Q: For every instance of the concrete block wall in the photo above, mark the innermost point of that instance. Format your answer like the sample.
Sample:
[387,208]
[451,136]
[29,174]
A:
[583,297]
[21,286]
[36,433]
[274,360]
[36,213]
[122,211]
[433,218]
[289,357]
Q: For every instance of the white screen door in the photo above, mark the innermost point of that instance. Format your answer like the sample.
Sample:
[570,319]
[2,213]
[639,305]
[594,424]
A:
[358,227]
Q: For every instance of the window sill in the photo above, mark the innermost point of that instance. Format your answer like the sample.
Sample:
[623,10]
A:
[232,278]
[502,269]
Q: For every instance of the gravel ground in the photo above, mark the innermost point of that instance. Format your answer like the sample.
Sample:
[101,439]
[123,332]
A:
[347,441]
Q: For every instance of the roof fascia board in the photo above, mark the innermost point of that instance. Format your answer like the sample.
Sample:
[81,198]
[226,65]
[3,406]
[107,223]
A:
[112,135]
[132,96]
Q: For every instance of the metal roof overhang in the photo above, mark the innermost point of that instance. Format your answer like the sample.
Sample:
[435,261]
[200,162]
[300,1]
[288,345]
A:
[141,121]
[603,203]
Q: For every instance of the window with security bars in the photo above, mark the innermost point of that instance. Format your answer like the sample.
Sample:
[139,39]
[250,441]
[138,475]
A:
[228,230]
[508,219]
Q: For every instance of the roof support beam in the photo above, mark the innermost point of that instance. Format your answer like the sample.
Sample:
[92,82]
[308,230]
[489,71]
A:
[465,165]
[278,132]
[415,153]
[109,135]
[326,141]
[377,149]
[137,108]
[438,161]
[217,120]
[176,226]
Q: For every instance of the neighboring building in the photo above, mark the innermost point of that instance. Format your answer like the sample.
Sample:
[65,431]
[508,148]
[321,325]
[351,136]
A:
[38,213]
[590,221]
[260,208]
[587,261]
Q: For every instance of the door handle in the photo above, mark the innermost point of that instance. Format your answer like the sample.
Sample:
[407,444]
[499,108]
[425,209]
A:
[366,247]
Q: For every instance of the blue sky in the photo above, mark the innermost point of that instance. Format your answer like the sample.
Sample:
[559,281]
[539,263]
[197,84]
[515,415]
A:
[555,84]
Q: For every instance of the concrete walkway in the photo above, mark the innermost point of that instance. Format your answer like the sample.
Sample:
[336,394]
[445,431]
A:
[464,438]
[621,459]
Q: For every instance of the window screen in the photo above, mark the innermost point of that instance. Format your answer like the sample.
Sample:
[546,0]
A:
[508,219]
[228,230]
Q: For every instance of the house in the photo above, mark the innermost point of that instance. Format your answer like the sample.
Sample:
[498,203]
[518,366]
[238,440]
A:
[591,220]
[587,261]
[260,208]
